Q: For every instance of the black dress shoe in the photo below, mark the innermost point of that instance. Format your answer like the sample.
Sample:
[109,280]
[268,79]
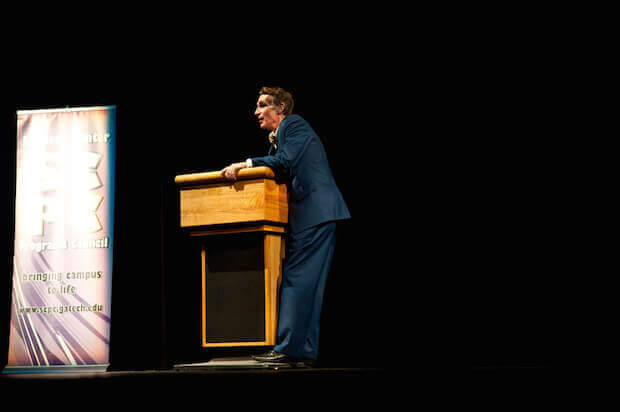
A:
[273,357]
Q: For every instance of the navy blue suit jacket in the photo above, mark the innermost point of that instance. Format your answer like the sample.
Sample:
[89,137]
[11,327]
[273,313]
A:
[301,162]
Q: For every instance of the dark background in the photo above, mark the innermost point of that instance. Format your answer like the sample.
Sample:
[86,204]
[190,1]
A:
[448,171]
[190,117]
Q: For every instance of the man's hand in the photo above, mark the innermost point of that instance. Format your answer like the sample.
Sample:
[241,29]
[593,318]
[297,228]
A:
[231,172]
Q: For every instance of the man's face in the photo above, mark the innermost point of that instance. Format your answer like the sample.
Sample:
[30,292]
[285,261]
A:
[266,113]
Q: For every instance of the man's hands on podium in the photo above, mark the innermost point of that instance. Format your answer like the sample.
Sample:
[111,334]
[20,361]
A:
[231,172]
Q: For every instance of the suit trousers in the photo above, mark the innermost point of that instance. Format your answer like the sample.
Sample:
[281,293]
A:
[308,259]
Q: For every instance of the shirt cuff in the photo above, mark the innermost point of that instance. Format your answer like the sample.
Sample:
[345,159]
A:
[248,163]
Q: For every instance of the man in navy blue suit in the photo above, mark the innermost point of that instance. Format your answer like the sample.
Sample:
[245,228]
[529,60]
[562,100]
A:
[298,157]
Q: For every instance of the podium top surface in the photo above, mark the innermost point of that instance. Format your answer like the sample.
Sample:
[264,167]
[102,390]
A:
[206,178]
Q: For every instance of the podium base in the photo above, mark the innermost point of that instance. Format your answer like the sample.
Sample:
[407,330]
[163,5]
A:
[243,362]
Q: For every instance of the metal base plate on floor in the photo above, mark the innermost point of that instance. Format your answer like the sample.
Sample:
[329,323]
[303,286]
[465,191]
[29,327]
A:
[244,362]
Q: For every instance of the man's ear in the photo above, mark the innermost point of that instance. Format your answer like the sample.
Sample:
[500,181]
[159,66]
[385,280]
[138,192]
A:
[282,107]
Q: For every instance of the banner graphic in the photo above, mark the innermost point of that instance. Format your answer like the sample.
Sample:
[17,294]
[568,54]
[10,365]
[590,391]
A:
[64,221]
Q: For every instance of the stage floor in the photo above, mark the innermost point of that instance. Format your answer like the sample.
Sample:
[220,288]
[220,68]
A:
[235,380]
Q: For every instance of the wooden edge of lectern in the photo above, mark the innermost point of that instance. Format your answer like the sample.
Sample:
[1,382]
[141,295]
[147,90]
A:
[217,176]
[213,205]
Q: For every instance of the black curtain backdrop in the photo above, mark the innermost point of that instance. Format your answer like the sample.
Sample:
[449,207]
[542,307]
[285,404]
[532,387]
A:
[182,120]
[452,245]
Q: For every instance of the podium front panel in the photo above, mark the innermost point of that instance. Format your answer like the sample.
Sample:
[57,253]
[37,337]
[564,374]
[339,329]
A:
[239,202]
[234,288]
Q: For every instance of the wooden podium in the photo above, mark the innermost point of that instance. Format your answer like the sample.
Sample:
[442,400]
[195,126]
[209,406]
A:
[241,225]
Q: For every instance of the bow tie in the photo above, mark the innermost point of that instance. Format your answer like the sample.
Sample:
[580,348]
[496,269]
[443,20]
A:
[272,139]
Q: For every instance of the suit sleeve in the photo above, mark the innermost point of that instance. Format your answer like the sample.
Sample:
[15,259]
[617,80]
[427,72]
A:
[296,139]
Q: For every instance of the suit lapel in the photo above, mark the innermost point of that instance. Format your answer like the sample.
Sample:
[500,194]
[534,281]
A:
[280,140]
[280,133]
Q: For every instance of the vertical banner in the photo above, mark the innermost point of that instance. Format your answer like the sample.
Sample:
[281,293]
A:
[64,221]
